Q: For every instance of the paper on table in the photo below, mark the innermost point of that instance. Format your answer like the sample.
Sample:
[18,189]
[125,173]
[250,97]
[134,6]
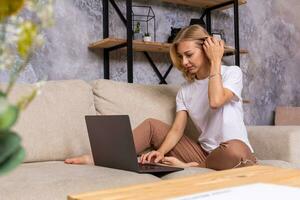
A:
[248,192]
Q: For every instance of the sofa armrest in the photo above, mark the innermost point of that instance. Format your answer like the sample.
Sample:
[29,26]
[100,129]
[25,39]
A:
[276,142]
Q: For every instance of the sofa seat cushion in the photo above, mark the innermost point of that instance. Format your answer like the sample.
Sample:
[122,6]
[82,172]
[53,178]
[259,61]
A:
[56,180]
[187,172]
[53,125]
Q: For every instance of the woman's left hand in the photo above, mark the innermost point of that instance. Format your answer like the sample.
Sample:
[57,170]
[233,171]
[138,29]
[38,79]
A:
[214,49]
[172,161]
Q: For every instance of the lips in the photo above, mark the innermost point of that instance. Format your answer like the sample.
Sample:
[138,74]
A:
[190,68]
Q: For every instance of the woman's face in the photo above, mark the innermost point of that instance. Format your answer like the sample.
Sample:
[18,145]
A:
[192,56]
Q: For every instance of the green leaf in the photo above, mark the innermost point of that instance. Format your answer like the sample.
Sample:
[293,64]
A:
[2,94]
[27,37]
[13,161]
[9,143]
[8,115]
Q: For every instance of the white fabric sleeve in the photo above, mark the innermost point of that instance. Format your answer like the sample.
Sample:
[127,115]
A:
[180,105]
[233,80]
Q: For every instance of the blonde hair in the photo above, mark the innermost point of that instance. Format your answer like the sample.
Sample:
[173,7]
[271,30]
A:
[191,33]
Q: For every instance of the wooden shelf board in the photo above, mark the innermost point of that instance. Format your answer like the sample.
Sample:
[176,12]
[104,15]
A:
[246,101]
[231,51]
[146,46]
[137,45]
[202,3]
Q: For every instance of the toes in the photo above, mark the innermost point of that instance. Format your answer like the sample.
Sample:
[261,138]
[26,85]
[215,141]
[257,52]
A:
[67,161]
[70,161]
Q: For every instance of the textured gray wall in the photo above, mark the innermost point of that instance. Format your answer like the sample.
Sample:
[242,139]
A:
[269,29]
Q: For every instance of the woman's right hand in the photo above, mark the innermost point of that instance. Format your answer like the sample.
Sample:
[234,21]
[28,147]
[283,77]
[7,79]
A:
[152,156]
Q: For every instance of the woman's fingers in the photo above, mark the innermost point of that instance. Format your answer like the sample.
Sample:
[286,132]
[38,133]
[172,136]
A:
[222,43]
[144,157]
[151,156]
[210,40]
[155,157]
[158,158]
[206,43]
[215,40]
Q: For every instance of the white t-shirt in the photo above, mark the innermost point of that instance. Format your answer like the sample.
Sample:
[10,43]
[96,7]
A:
[217,125]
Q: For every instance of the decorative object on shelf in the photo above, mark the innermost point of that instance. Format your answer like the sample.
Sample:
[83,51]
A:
[19,37]
[199,21]
[219,34]
[174,32]
[147,37]
[137,32]
[143,21]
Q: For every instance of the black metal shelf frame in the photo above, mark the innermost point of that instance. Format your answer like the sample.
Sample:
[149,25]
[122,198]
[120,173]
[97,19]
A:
[207,14]
[128,23]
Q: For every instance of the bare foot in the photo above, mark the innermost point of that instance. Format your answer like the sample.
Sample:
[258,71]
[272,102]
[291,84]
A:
[82,160]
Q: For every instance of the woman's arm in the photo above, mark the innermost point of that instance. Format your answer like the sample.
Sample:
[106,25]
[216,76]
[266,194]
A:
[217,94]
[175,133]
[172,138]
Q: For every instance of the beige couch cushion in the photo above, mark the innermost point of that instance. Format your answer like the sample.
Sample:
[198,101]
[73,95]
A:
[53,126]
[276,142]
[56,180]
[138,101]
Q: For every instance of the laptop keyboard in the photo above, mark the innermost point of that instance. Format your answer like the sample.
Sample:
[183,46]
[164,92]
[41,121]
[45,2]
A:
[149,166]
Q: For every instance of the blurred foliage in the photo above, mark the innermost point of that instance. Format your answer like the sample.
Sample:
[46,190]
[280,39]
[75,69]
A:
[21,25]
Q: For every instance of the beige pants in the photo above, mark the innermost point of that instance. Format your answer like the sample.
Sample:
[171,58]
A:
[229,154]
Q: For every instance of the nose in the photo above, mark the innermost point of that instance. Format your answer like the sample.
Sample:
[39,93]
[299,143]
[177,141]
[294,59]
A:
[184,61]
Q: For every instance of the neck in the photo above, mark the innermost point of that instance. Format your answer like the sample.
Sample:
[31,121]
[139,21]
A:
[203,73]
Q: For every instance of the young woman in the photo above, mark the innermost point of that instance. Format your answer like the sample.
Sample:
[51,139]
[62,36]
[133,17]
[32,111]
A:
[211,97]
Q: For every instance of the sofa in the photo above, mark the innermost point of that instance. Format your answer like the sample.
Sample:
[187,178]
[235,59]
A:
[53,129]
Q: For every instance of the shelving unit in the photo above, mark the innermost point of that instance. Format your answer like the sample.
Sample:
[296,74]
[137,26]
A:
[109,44]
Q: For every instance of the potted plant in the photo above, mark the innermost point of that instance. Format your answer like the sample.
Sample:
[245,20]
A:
[147,37]
[19,37]
[137,32]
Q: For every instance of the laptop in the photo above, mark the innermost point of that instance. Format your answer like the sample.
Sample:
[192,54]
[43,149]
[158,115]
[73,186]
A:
[112,145]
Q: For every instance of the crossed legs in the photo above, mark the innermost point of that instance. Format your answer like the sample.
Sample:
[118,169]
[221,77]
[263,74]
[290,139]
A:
[230,154]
